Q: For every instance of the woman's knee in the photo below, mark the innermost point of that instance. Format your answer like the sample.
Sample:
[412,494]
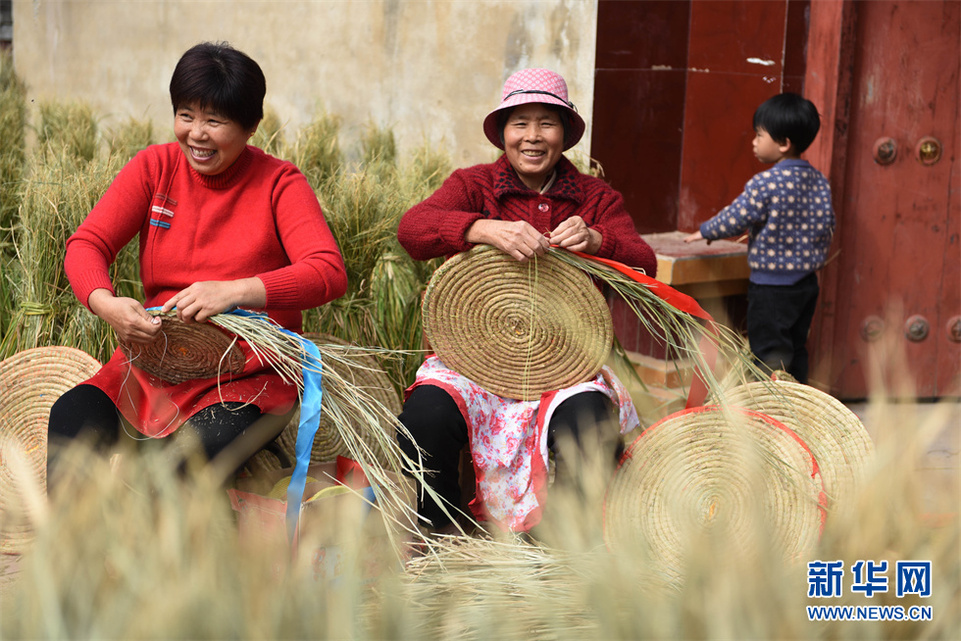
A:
[84,410]
[582,413]
[433,420]
[217,427]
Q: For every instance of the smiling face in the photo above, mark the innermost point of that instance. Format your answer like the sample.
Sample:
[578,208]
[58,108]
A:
[533,142]
[210,142]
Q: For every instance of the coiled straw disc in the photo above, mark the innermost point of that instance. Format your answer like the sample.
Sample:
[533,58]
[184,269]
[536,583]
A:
[363,371]
[186,351]
[30,382]
[739,478]
[516,329]
[837,438]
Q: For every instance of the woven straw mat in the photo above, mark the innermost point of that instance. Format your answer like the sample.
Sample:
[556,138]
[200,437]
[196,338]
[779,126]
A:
[369,376]
[517,329]
[737,475]
[841,445]
[186,351]
[30,382]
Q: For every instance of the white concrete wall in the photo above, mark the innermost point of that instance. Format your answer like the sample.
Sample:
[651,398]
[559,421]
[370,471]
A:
[429,69]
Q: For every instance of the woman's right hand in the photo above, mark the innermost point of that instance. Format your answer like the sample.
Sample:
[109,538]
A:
[126,316]
[517,238]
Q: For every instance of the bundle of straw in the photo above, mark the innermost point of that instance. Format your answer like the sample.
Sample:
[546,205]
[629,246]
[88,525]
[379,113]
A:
[361,366]
[358,416]
[463,581]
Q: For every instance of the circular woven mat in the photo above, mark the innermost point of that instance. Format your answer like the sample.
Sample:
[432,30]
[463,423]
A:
[516,329]
[186,351]
[30,382]
[369,376]
[841,445]
[740,476]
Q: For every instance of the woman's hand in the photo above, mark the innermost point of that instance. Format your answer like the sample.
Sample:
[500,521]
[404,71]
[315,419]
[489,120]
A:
[203,299]
[126,316]
[574,234]
[517,238]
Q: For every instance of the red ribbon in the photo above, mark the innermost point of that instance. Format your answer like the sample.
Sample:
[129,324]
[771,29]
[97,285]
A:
[682,302]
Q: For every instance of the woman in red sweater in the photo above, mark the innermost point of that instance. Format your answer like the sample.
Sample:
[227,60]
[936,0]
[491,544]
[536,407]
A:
[221,225]
[532,197]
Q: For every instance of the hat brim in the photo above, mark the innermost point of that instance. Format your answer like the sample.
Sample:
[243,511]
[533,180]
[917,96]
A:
[571,138]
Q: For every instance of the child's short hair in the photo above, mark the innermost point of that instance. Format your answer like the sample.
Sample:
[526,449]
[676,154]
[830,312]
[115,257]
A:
[789,116]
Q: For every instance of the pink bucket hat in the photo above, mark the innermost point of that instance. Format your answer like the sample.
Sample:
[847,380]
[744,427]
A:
[535,85]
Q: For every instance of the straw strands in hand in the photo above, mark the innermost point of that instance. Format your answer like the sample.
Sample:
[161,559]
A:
[682,332]
[361,366]
[359,417]
[363,423]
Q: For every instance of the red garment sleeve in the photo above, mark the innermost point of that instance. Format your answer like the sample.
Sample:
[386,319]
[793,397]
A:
[620,240]
[316,274]
[437,226]
[113,222]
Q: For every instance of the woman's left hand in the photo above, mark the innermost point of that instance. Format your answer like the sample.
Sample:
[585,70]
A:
[203,299]
[574,234]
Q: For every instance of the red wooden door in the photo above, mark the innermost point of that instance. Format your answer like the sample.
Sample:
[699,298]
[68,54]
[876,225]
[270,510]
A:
[895,290]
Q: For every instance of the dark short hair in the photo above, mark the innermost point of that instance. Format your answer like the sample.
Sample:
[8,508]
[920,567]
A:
[789,116]
[561,114]
[216,76]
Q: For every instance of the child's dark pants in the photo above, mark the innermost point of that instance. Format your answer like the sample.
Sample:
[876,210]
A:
[778,320]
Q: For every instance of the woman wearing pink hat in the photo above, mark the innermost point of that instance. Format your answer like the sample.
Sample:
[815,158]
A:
[530,198]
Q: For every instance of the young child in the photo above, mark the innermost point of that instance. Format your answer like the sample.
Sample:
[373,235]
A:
[787,210]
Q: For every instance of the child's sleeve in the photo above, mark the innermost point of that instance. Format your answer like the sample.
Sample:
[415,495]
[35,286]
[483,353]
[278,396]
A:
[747,210]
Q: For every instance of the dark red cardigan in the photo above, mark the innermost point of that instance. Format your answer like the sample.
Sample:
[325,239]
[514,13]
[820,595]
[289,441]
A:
[436,227]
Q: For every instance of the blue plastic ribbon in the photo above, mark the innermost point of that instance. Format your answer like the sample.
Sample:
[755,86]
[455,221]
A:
[310,404]
[306,430]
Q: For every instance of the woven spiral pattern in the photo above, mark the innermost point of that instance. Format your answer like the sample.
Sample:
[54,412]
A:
[837,438]
[30,382]
[367,376]
[186,351]
[517,329]
[738,475]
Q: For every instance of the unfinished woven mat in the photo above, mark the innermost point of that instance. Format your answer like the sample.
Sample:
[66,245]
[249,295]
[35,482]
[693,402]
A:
[365,373]
[517,329]
[186,351]
[837,438]
[30,382]
[737,475]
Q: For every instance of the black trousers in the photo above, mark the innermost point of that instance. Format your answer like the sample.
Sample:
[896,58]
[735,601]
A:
[778,321]
[438,427]
[85,411]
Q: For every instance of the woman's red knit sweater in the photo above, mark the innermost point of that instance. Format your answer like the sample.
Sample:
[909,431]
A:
[436,227]
[259,218]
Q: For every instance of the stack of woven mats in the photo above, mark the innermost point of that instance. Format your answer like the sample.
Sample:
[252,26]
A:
[767,466]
